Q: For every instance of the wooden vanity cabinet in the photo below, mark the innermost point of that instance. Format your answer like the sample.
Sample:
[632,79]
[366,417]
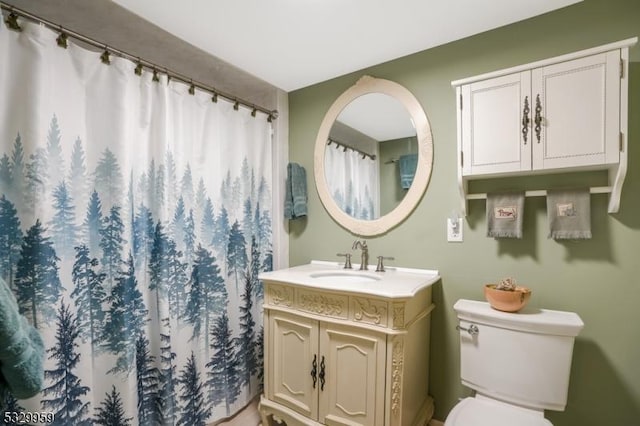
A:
[339,358]
[346,363]
[557,116]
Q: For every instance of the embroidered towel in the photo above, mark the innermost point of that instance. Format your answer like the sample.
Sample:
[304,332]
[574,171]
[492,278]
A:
[408,165]
[295,203]
[504,215]
[569,214]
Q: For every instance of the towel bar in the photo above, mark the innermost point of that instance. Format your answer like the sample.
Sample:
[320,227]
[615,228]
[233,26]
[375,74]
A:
[542,193]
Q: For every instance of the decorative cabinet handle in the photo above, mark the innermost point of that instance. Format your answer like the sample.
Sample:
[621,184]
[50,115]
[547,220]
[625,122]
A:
[314,370]
[321,375]
[525,119]
[538,118]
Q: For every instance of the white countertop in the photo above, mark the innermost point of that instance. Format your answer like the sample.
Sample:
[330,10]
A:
[395,282]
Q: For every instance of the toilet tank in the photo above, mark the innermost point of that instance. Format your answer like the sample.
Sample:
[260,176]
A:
[522,358]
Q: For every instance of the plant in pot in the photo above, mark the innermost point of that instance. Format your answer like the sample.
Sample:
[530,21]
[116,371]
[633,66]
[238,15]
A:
[507,296]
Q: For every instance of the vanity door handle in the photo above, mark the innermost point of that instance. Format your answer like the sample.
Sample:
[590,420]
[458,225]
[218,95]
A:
[538,118]
[314,370]
[525,119]
[321,375]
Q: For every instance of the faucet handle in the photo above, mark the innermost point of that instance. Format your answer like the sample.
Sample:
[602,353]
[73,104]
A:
[380,267]
[347,260]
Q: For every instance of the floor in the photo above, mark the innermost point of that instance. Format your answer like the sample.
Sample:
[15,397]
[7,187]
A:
[250,417]
[247,417]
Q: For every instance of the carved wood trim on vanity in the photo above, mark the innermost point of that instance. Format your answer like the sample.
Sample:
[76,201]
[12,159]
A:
[360,309]
[321,304]
[280,295]
[369,311]
[397,366]
[398,315]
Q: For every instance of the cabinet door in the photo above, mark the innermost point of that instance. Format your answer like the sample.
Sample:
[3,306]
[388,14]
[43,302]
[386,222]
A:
[496,127]
[294,346]
[579,105]
[354,366]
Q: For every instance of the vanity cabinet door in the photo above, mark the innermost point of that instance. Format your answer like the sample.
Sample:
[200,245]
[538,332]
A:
[353,362]
[576,108]
[496,125]
[294,347]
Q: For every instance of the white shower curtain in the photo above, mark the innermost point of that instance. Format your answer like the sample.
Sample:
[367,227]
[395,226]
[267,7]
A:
[353,182]
[134,219]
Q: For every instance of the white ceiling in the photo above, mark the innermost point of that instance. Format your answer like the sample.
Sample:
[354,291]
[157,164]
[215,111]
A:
[296,43]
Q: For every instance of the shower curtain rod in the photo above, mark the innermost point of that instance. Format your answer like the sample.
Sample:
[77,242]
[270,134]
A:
[141,63]
[345,146]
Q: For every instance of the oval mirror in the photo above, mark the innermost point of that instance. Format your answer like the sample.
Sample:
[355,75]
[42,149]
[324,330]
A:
[373,156]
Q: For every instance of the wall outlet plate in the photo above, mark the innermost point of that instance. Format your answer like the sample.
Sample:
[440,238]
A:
[454,233]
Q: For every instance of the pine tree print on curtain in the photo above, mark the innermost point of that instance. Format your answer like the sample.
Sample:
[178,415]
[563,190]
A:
[193,411]
[10,240]
[168,377]
[88,294]
[38,285]
[247,351]
[148,382]
[125,319]
[134,221]
[224,368]
[111,411]
[66,393]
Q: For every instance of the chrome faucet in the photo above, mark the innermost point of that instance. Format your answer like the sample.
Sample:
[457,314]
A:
[364,258]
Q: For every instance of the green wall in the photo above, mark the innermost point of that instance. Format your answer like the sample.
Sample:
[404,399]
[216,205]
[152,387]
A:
[597,278]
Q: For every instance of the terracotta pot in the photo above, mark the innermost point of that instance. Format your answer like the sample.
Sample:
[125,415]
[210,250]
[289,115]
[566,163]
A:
[505,300]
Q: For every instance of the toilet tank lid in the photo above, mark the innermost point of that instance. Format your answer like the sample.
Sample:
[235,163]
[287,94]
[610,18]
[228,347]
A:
[533,320]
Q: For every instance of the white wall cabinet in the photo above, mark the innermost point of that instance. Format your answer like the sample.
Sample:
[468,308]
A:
[492,112]
[562,114]
[576,112]
[337,357]
[553,117]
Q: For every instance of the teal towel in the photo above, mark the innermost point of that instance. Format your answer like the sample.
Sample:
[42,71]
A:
[21,351]
[295,203]
[408,165]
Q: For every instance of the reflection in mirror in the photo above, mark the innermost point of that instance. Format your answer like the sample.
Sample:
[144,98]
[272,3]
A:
[371,156]
[389,153]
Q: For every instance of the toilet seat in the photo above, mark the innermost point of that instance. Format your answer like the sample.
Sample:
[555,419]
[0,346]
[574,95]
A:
[485,412]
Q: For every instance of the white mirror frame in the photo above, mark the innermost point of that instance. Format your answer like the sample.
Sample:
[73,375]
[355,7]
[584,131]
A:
[363,86]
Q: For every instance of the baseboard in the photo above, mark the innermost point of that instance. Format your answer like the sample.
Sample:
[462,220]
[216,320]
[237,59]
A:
[435,422]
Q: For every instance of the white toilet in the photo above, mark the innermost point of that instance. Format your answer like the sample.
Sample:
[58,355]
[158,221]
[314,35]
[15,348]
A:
[517,363]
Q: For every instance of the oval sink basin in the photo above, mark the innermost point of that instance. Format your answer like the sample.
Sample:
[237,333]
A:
[343,277]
